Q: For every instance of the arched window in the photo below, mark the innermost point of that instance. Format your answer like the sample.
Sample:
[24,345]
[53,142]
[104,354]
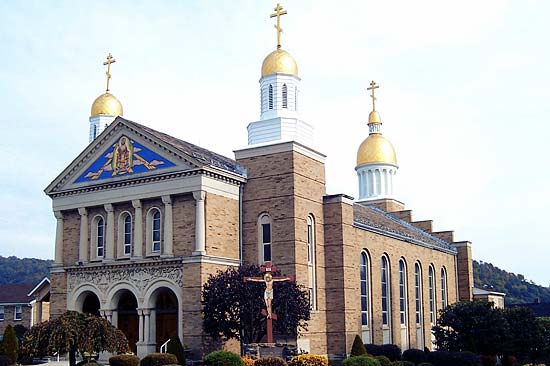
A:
[264,236]
[125,229]
[155,233]
[285,96]
[311,262]
[419,318]
[95,132]
[100,237]
[443,288]
[153,239]
[403,304]
[295,98]
[431,291]
[386,300]
[364,277]
[270,96]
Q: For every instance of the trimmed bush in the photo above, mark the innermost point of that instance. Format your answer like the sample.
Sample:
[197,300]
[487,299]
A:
[361,361]
[488,360]
[425,364]
[402,363]
[466,359]
[124,360]
[391,351]
[440,358]
[384,361]
[9,344]
[224,358]
[248,361]
[5,360]
[176,348]
[414,355]
[358,348]
[269,361]
[373,349]
[308,360]
[159,359]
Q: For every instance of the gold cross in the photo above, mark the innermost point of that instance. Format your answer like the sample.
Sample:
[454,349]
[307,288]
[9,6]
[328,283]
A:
[110,60]
[278,14]
[372,87]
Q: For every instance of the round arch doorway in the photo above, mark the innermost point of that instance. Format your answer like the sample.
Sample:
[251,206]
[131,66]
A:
[165,311]
[90,304]
[127,318]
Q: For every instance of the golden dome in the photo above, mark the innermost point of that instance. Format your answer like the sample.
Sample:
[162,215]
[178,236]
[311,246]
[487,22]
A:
[374,117]
[107,104]
[376,149]
[279,62]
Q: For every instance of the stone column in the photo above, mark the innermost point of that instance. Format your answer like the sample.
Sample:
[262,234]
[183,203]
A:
[84,230]
[110,232]
[200,229]
[146,325]
[168,227]
[140,314]
[59,239]
[138,229]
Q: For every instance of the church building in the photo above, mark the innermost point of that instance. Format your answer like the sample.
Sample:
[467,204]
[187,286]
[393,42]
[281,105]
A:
[143,218]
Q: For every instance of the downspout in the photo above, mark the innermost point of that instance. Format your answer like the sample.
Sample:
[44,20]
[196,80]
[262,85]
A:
[241,187]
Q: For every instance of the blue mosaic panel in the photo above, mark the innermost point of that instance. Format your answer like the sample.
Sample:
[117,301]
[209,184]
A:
[124,157]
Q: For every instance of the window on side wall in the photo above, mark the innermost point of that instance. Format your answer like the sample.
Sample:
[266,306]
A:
[18,312]
[1,313]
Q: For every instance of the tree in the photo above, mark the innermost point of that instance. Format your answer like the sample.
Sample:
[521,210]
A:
[358,348]
[74,333]
[9,344]
[232,308]
[471,326]
[176,348]
[528,339]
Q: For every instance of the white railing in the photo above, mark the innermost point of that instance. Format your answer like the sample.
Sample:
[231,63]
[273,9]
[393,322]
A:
[164,347]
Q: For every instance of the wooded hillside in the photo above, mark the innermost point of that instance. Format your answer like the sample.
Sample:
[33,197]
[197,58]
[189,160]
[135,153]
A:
[26,270]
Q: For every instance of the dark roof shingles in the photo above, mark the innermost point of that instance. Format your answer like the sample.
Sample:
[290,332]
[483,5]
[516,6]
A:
[202,155]
[15,293]
[384,221]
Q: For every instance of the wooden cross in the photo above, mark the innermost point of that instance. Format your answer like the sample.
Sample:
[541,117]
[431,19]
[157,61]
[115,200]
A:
[278,14]
[372,87]
[110,60]
[268,279]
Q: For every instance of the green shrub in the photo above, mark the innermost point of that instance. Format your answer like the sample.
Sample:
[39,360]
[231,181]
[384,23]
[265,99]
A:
[5,360]
[509,361]
[223,358]
[466,359]
[425,364]
[176,348]
[9,344]
[358,348]
[373,349]
[414,355]
[363,360]
[391,351]
[270,361]
[440,358]
[402,363]
[158,359]
[124,360]
[308,360]
[384,361]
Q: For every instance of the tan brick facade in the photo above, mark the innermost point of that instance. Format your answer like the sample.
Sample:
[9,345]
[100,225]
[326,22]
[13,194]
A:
[206,215]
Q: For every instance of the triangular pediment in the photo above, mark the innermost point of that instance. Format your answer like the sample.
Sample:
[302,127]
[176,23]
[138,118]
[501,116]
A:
[123,152]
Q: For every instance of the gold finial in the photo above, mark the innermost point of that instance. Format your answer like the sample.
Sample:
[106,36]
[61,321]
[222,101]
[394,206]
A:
[110,60]
[372,87]
[278,14]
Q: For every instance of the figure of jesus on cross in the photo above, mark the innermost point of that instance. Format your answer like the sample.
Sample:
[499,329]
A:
[268,279]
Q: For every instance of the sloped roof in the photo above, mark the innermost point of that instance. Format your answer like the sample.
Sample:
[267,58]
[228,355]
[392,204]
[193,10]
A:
[375,219]
[201,154]
[15,293]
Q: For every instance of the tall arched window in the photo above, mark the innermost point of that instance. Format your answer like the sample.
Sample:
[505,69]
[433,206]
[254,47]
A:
[364,275]
[419,318]
[100,237]
[155,233]
[127,235]
[264,236]
[270,96]
[386,300]
[431,290]
[443,288]
[311,262]
[285,96]
[403,305]
[295,98]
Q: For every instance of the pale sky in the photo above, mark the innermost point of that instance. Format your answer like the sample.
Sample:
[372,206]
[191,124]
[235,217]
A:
[464,97]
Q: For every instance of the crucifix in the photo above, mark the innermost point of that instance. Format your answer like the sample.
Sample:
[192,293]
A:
[372,87]
[110,60]
[268,279]
[278,14]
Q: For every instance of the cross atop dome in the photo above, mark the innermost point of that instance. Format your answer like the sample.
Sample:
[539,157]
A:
[110,60]
[278,14]
[372,87]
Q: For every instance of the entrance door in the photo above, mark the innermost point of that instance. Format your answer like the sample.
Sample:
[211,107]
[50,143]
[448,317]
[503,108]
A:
[128,320]
[166,310]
